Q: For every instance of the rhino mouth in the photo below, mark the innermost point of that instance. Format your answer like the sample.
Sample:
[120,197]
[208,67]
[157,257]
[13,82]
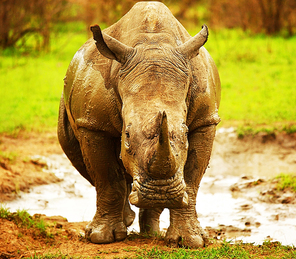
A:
[153,193]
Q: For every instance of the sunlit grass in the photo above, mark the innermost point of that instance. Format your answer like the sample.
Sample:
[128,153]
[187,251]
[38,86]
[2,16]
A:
[225,250]
[286,181]
[23,219]
[31,85]
[257,77]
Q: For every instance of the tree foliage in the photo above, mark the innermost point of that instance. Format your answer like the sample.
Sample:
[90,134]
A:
[19,18]
[267,16]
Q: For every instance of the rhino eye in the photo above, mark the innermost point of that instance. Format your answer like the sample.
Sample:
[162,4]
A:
[127,134]
[185,129]
[127,140]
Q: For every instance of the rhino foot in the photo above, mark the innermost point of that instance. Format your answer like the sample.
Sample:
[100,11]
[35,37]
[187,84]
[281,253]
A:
[105,233]
[186,234]
[129,218]
[149,220]
[128,215]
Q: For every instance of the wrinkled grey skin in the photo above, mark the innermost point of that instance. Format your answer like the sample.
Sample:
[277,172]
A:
[140,106]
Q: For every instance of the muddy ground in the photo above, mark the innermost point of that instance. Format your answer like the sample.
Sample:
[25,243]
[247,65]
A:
[22,166]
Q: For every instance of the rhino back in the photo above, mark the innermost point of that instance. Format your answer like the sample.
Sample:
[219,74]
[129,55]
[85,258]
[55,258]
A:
[147,22]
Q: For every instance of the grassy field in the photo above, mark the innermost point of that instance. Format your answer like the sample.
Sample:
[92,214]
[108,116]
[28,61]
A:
[32,83]
[258,79]
[257,73]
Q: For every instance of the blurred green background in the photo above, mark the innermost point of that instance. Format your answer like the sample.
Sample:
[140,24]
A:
[252,42]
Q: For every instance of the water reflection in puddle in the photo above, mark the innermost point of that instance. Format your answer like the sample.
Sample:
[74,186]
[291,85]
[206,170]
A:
[75,199]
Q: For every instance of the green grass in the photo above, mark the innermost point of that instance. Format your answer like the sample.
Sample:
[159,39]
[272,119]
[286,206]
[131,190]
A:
[23,219]
[270,250]
[4,212]
[286,181]
[257,74]
[226,250]
[31,84]
[8,157]
[52,256]
[30,92]
[257,77]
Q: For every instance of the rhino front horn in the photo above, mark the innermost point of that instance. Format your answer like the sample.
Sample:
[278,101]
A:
[163,164]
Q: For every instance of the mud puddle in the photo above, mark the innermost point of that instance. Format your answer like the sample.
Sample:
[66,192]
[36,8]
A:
[231,216]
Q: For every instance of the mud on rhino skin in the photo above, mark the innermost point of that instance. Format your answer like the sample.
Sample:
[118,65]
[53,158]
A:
[138,118]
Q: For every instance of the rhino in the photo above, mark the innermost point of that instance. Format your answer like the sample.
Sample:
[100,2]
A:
[137,119]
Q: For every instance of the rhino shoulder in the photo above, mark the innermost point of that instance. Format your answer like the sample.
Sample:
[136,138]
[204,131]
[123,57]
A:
[205,92]
[90,96]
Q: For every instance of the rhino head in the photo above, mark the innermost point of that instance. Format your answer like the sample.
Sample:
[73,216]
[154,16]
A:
[153,85]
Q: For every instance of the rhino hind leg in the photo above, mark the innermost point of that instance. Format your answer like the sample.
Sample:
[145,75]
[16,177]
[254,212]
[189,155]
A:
[185,229]
[69,143]
[149,220]
[103,166]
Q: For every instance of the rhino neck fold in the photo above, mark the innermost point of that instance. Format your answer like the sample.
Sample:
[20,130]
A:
[162,164]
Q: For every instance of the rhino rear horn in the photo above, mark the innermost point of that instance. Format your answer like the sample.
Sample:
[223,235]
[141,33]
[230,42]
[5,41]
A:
[190,48]
[109,47]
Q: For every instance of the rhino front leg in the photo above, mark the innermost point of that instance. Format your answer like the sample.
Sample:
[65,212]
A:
[149,220]
[185,229]
[128,213]
[99,153]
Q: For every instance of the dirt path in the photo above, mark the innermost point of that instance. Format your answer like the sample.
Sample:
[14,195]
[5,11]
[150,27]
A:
[21,168]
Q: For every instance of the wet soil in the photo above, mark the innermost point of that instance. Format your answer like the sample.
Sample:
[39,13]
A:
[21,162]
[66,238]
[251,162]
[63,238]
[263,190]
[263,155]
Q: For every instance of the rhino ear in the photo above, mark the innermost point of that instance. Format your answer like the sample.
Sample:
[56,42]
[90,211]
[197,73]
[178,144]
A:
[190,48]
[110,47]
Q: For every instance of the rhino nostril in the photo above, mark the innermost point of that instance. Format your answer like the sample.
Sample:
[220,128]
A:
[185,200]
